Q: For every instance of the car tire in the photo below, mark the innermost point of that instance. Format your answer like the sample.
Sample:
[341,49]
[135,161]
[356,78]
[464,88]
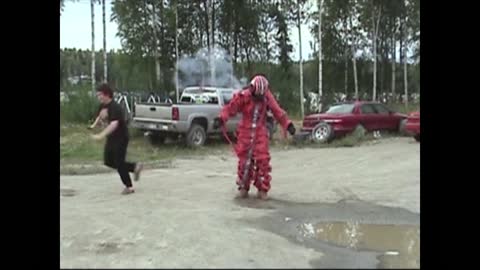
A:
[196,136]
[322,133]
[417,137]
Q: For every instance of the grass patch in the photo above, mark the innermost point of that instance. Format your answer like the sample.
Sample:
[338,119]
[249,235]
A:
[80,154]
[355,138]
[77,147]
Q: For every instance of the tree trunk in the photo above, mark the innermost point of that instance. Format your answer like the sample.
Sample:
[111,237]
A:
[235,37]
[235,50]
[405,81]
[401,43]
[149,72]
[345,53]
[155,50]
[213,22]
[374,66]
[231,59]
[212,44]
[177,94]
[242,57]
[382,63]
[162,50]
[267,49]
[206,5]
[302,111]
[375,33]
[354,60]
[105,71]
[346,72]
[92,11]
[247,55]
[320,55]
[355,75]
[394,59]
[201,38]
[405,67]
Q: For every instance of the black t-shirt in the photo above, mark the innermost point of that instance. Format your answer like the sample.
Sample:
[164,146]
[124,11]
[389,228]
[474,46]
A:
[115,113]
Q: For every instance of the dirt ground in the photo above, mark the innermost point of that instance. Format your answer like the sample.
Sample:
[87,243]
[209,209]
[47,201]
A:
[186,216]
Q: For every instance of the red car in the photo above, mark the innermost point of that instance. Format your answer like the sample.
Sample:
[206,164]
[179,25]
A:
[413,125]
[341,119]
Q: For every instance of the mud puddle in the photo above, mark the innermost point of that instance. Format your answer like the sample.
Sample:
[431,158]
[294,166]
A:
[399,245]
[349,233]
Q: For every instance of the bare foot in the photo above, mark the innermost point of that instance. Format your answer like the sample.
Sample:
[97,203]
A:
[262,195]
[127,191]
[242,193]
[138,170]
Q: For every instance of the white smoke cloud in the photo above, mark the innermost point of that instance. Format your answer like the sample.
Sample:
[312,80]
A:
[206,68]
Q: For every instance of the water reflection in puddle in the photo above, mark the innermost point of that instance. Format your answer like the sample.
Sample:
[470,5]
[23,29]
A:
[399,244]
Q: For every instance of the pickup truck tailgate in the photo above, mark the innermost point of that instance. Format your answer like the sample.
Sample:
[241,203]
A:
[156,111]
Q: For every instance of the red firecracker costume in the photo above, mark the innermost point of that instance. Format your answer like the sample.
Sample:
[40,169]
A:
[252,146]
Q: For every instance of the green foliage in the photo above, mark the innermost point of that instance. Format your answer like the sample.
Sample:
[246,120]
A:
[256,34]
[80,106]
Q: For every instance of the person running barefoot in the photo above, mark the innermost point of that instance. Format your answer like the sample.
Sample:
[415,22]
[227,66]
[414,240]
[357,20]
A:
[117,140]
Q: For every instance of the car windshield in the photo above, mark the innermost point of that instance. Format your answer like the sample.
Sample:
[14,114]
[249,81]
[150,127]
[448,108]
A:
[343,108]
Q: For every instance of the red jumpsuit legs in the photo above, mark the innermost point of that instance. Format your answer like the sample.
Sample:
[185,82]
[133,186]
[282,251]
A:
[252,146]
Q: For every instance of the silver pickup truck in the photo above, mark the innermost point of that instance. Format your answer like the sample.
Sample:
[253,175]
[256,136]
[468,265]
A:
[192,117]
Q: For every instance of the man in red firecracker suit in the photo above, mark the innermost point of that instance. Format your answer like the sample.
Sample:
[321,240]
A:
[252,146]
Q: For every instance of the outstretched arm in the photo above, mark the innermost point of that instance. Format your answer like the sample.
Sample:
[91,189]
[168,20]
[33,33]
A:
[100,115]
[114,117]
[232,108]
[92,126]
[279,114]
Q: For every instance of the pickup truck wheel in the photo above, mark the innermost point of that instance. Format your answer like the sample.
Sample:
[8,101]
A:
[417,137]
[322,133]
[196,136]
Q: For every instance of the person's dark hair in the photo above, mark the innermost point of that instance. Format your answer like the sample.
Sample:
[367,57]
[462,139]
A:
[106,90]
